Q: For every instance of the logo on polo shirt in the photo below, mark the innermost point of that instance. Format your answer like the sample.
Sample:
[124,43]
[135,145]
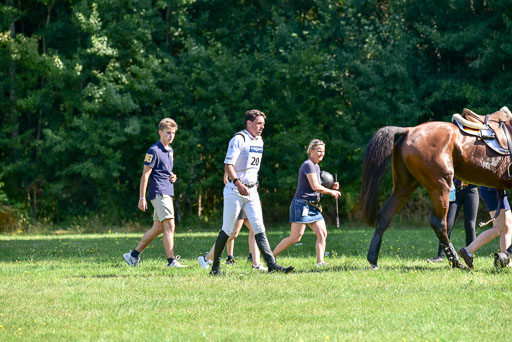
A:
[148,158]
[256,149]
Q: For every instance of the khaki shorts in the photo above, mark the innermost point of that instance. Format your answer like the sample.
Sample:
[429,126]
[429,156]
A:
[164,208]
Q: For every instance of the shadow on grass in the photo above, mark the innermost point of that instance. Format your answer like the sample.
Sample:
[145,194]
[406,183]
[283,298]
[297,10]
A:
[107,276]
[355,268]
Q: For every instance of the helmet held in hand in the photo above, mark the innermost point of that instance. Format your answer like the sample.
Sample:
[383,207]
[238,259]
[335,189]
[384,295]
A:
[327,179]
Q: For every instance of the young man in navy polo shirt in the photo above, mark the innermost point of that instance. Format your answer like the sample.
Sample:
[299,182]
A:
[158,164]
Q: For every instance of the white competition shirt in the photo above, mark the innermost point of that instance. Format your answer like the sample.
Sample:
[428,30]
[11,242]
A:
[244,153]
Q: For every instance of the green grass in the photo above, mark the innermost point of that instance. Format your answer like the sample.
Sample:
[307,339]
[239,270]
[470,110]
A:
[77,288]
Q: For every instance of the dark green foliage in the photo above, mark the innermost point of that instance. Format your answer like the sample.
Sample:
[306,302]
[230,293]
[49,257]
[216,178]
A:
[83,85]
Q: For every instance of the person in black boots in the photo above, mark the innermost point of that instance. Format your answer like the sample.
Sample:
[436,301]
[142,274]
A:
[242,163]
[461,194]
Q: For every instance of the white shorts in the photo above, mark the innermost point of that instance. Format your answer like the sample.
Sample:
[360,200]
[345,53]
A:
[234,203]
[164,208]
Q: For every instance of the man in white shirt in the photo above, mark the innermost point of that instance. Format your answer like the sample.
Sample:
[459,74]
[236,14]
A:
[242,163]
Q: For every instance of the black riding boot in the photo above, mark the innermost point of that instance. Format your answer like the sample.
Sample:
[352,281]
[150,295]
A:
[217,252]
[262,242]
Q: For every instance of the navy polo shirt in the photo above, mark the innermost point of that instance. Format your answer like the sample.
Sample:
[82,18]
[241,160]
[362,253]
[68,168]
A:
[161,161]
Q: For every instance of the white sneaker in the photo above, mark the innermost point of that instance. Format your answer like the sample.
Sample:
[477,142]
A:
[322,264]
[131,261]
[203,262]
[176,263]
[260,267]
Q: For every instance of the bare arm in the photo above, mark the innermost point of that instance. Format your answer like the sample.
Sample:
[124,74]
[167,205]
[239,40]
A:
[317,187]
[230,170]
[143,204]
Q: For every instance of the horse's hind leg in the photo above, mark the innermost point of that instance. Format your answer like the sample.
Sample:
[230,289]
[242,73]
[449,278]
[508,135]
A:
[440,203]
[404,185]
[392,206]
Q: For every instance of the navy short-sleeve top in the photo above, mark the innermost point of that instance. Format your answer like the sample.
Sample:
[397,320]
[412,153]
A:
[161,160]
[304,189]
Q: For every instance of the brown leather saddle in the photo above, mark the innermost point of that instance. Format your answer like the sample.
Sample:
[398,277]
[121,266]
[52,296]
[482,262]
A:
[494,129]
[500,115]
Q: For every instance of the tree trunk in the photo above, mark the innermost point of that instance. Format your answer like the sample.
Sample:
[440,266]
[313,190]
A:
[47,22]
[167,29]
[12,79]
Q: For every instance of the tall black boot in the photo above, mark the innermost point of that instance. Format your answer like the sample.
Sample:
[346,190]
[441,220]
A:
[262,242]
[217,252]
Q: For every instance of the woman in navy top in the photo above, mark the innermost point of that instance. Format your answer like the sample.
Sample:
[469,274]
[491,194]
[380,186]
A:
[305,208]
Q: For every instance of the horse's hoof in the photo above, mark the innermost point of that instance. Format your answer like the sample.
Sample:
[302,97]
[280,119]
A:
[374,267]
[463,267]
[501,260]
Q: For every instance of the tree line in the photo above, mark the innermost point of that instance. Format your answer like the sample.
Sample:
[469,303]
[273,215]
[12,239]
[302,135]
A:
[84,84]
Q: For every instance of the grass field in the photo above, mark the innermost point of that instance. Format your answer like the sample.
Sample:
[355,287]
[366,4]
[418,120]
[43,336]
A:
[78,288]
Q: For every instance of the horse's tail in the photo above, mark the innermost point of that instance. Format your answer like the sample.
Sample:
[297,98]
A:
[374,167]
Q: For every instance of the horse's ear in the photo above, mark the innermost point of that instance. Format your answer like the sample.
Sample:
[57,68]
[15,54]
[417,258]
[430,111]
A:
[505,109]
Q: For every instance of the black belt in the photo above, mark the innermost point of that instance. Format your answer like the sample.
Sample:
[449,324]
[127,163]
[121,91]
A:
[248,185]
[462,187]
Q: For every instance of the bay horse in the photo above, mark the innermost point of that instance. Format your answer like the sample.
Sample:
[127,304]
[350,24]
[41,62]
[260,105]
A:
[430,154]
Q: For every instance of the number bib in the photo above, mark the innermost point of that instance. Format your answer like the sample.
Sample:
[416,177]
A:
[254,159]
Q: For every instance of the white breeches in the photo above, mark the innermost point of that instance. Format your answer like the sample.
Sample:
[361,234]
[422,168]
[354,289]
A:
[234,203]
